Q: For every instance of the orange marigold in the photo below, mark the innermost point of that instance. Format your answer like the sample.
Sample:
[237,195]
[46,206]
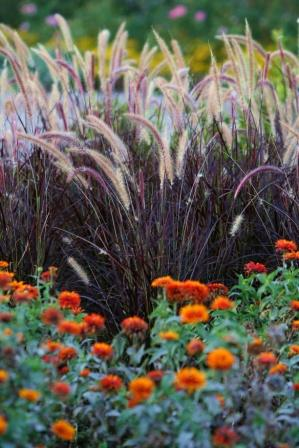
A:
[3,425]
[255,268]
[220,359]
[193,314]
[256,346]
[94,322]
[155,375]
[189,379]
[291,256]
[222,303]
[295,305]
[169,335]
[3,264]
[102,350]
[51,316]
[285,246]
[52,346]
[162,282]
[4,375]
[49,275]
[134,325]
[29,394]
[225,437]
[63,430]
[5,279]
[219,288]
[69,300]
[195,347]
[266,358]
[67,353]
[85,372]
[60,388]
[278,369]
[6,317]
[111,383]
[25,293]
[295,325]
[294,350]
[70,327]
[140,389]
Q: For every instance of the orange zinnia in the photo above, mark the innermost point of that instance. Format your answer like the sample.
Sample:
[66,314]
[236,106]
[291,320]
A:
[189,379]
[52,346]
[294,350]
[140,389]
[25,293]
[102,350]
[84,373]
[295,305]
[256,346]
[266,358]
[5,279]
[67,353]
[70,327]
[161,282]
[295,325]
[169,335]
[3,264]
[222,303]
[63,430]
[3,425]
[290,256]
[61,389]
[69,300]
[49,275]
[51,316]
[3,376]
[134,325]
[29,394]
[111,383]
[220,359]
[225,437]
[278,369]
[219,288]
[178,291]
[94,322]
[155,375]
[195,347]
[193,314]
[285,246]
[255,268]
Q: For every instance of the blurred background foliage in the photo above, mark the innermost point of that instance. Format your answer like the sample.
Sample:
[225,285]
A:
[194,23]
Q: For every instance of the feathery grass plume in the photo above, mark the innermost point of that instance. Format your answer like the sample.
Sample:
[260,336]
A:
[236,225]
[251,58]
[103,39]
[164,151]
[235,67]
[65,31]
[117,46]
[243,40]
[114,174]
[214,104]
[291,155]
[119,149]
[78,269]
[226,134]
[286,54]
[169,58]
[180,154]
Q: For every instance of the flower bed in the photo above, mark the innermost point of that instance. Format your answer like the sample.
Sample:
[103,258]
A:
[212,367]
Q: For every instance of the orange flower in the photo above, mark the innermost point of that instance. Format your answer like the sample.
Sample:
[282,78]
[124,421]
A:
[6,317]
[222,303]
[256,346]
[161,282]
[278,369]
[3,425]
[134,325]
[29,394]
[52,346]
[255,268]
[266,358]
[221,400]
[296,387]
[175,291]
[49,275]
[12,286]
[195,347]
[70,327]
[25,293]
[285,246]
[189,379]
[295,325]
[111,383]
[62,369]
[69,300]
[156,375]
[295,305]
[3,264]
[290,256]
[60,388]
[140,390]
[193,314]
[51,316]
[7,332]
[178,291]
[220,359]
[84,373]
[3,376]
[219,288]
[5,279]
[225,437]
[94,322]
[67,353]
[102,350]
[169,335]
[63,430]
[294,350]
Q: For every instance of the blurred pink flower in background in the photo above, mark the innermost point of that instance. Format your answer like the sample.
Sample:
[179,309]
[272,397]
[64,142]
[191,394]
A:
[29,9]
[200,16]
[177,12]
[51,20]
